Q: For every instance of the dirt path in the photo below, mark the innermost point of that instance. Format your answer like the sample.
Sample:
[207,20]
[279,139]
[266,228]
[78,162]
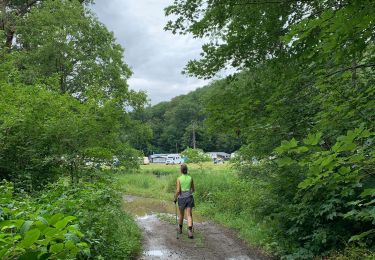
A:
[210,241]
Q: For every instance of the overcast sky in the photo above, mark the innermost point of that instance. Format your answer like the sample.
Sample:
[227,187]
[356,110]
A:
[156,57]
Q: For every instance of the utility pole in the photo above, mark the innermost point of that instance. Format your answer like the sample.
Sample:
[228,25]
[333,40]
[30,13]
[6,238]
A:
[194,135]
[176,148]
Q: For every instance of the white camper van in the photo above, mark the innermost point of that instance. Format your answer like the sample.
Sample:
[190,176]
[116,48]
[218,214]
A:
[174,159]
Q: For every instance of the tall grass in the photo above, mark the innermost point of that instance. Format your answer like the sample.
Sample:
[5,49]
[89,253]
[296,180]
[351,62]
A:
[220,195]
[148,184]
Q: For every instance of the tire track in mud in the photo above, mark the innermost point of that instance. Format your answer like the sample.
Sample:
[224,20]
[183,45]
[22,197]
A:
[157,220]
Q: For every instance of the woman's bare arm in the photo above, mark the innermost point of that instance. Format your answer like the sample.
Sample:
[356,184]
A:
[178,190]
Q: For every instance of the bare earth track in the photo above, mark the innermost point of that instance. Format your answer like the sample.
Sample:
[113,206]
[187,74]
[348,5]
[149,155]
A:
[211,241]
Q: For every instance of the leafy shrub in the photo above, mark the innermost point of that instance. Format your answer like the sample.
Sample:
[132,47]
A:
[195,155]
[320,197]
[334,201]
[111,233]
[30,233]
[65,222]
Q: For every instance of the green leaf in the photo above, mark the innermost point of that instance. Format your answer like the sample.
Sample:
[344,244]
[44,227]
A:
[30,237]
[368,192]
[74,229]
[305,184]
[62,223]
[26,226]
[43,220]
[5,228]
[366,133]
[329,159]
[55,218]
[72,237]
[56,248]
[344,170]
[50,231]
[362,235]
[285,161]
[347,147]
[15,223]
[370,203]
[69,244]
[286,145]
[312,139]
[356,158]
[44,241]
[301,149]
[82,244]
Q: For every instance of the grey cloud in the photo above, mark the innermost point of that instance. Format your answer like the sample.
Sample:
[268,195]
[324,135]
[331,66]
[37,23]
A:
[155,56]
[162,90]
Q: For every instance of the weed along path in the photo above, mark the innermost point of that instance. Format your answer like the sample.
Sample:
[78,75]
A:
[157,221]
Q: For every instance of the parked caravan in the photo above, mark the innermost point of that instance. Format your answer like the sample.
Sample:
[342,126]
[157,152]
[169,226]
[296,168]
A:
[174,159]
[158,158]
[146,161]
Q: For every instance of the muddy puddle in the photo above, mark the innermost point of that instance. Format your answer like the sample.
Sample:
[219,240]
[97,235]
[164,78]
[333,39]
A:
[140,206]
[157,220]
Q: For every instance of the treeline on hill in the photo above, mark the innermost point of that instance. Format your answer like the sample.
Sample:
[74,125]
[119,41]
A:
[175,124]
[303,104]
[63,93]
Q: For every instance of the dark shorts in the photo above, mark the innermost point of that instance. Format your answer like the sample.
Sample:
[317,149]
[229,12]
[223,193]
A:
[184,203]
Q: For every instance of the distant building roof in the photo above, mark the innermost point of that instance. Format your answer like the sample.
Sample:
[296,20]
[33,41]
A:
[220,153]
[164,155]
[158,155]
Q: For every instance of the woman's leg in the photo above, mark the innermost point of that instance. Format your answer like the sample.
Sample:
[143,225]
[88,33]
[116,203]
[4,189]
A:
[189,215]
[180,216]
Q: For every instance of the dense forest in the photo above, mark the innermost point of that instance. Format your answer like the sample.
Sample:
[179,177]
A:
[301,102]
[181,123]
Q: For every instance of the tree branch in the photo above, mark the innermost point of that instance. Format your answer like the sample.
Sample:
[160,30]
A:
[350,68]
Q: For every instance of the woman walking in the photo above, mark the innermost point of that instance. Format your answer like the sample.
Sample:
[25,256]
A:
[184,195]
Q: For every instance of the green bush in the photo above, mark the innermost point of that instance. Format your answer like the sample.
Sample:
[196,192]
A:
[317,200]
[195,155]
[111,233]
[66,222]
[30,233]
[333,204]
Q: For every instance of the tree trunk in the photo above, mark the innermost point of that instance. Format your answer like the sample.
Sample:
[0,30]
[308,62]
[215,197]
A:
[8,25]
[9,39]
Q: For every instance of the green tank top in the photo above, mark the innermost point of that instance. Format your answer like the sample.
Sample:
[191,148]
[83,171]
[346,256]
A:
[185,182]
